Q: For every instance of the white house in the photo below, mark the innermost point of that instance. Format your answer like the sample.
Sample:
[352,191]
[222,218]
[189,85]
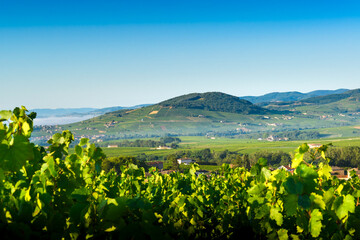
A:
[113,146]
[185,161]
[163,147]
[314,145]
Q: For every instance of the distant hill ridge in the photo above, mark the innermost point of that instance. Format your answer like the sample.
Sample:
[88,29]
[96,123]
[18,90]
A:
[65,112]
[214,101]
[221,102]
[290,96]
[348,101]
[353,95]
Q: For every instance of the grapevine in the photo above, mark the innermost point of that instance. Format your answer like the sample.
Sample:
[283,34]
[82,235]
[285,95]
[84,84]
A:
[52,194]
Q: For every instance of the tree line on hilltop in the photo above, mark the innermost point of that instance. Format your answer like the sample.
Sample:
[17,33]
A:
[164,141]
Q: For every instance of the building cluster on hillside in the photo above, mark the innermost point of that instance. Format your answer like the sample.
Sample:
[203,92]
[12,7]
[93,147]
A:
[40,138]
[90,137]
[48,129]
[243,130]
[284,117]
[110,124]
[273,138]
[326,116]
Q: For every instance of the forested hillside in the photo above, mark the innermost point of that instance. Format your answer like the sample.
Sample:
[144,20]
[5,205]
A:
[214,101]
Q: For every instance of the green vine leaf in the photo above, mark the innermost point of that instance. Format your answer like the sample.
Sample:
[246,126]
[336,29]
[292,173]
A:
[276,215]
[343,205]
[315,223]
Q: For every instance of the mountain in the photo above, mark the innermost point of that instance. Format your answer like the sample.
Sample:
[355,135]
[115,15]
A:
[290,96]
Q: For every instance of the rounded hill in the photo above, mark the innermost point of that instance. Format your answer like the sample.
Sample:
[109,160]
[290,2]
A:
[214,101]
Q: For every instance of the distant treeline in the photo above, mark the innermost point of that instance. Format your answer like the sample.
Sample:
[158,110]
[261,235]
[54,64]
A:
[340,156]
[206,156]
[164,141]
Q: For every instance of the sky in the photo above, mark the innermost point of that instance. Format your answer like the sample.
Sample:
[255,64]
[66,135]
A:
[70,54]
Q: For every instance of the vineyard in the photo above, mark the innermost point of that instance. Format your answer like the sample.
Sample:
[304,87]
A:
[51,194]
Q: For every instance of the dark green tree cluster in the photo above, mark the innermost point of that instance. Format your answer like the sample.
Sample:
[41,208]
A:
[145,157]
[242,161]
[299,135]
[165,141]
[172,162]
[115,163]
[168,139]
[345,156]
[274,159]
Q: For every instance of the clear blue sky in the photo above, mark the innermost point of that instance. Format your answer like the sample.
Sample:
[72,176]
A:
[121,53]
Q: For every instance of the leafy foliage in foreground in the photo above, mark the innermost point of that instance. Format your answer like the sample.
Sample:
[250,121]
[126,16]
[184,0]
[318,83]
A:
[51,194]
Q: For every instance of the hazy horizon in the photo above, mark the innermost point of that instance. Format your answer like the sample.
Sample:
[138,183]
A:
[84,107]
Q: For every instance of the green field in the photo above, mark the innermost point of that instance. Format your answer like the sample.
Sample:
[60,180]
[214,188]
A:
[236,145]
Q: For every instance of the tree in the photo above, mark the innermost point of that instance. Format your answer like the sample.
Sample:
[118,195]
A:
[238,161]
[203,155]
[173,163]
[174,145]
[246,161]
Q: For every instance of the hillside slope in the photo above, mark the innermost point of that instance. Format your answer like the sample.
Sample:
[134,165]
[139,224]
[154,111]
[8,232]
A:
[213,114]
